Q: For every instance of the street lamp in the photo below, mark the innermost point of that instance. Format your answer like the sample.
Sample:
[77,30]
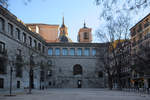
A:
[31,73]
[11,71]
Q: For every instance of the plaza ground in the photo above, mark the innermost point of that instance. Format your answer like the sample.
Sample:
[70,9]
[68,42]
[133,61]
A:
[76,94]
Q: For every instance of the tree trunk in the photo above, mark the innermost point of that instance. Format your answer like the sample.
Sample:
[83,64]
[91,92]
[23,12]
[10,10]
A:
[30,83]
[110,81]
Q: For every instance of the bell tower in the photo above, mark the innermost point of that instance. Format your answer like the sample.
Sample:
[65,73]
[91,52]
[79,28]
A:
[63,36]
[85,34]
[63,29]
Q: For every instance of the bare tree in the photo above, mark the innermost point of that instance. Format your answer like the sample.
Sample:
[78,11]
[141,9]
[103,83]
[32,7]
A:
[114,7]
[115,32]
[5,4]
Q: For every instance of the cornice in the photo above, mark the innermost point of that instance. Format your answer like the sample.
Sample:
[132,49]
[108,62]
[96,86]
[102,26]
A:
[78,44]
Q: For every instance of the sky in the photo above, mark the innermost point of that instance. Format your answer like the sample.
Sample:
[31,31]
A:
[52,11]
[75,13]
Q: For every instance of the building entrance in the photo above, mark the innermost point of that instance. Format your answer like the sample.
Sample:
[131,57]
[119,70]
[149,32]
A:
[148,83]
[79,84]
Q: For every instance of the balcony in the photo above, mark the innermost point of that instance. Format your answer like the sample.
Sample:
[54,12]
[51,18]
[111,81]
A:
[139,28]
[133,33]
[146,24]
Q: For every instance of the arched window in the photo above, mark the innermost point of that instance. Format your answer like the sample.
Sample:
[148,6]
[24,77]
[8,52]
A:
[93,52]
[39,46]
[2,24]
[50,51]
[57,51]
[18,33]
[86,51]
[64,51]
[72,51]
[10,29]
[86,35]
[77,70]
[79,52]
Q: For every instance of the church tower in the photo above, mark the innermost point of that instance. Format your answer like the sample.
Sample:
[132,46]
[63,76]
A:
[63,36]
[85,34]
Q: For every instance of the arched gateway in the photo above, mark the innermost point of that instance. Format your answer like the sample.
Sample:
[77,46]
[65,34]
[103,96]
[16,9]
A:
[77,70]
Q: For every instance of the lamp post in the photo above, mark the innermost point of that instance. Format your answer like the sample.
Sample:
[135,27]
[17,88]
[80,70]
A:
[30,73]
[11,71]
[10,81]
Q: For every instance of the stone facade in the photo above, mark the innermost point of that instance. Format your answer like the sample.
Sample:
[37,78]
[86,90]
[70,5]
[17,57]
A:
[63,65]
[17,43]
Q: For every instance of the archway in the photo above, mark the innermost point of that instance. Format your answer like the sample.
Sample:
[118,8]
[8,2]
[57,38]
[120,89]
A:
[77,69]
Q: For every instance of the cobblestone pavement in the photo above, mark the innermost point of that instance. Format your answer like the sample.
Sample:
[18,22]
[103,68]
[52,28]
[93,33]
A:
[77,94]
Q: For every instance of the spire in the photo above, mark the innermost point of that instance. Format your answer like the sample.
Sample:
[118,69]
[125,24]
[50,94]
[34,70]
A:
[84,24]
[63,21]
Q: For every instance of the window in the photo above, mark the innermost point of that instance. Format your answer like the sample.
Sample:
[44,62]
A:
[10,29]
[133,33]
[30,41]
[42,76]
[2,47]
[65,52]
[43,49]
[49,73]
[87,52]
[77,70]
[57,51]
[1,83]
[100,74]
[86,35]
[39,46]
[146,23]
[139,28]
[2,24]
[50,51]
[18,84]
[19,63]
[18,70]
[93,52]
[2,66]
[35,44]
[24,38]
[49,83]
[18,33]
[79,52]
[72,52]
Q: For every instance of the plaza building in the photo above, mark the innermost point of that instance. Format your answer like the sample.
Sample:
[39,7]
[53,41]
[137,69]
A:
[44,55]
[140,44]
